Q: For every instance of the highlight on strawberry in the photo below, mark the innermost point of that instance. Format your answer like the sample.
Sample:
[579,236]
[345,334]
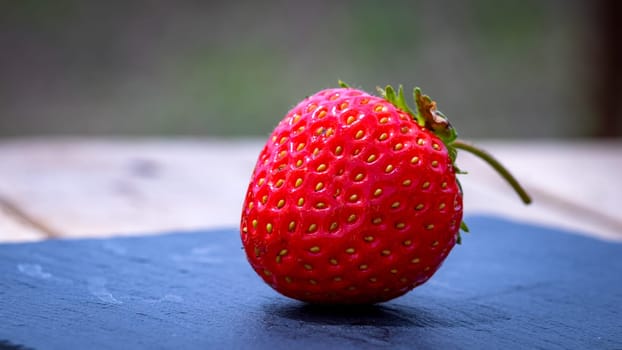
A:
[354,198]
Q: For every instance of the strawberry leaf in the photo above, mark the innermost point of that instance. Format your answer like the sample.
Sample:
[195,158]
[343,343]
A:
[428,116]
[464,227]
[436,121]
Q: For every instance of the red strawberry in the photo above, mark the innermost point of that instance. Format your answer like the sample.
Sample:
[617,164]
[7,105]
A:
[354,198]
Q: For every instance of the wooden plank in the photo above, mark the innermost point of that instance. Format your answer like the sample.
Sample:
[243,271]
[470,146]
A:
[100,187]
[15,229]
[511,286]
[573,185]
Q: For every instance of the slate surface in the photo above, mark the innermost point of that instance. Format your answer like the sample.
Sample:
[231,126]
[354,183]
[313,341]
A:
[508,286]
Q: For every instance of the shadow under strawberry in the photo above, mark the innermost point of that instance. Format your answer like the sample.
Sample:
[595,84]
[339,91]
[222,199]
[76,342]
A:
[7,345]
[392,325]
[445,314]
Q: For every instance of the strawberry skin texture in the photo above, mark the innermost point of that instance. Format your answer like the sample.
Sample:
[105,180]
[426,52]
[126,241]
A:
[351,201]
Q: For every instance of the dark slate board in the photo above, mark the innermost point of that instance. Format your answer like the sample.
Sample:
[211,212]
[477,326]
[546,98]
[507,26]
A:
[509,285]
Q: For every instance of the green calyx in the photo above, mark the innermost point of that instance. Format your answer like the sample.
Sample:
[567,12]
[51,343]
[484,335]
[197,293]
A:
[428,116]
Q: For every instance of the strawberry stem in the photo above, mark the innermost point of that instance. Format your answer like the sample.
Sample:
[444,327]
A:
[501,170]
[428,116]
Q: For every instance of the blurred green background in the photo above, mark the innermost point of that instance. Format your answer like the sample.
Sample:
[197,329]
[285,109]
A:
[498,68]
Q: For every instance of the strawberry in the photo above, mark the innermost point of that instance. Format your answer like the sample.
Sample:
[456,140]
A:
[354,198]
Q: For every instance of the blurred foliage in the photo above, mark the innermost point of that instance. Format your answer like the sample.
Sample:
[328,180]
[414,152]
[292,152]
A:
[505,68]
